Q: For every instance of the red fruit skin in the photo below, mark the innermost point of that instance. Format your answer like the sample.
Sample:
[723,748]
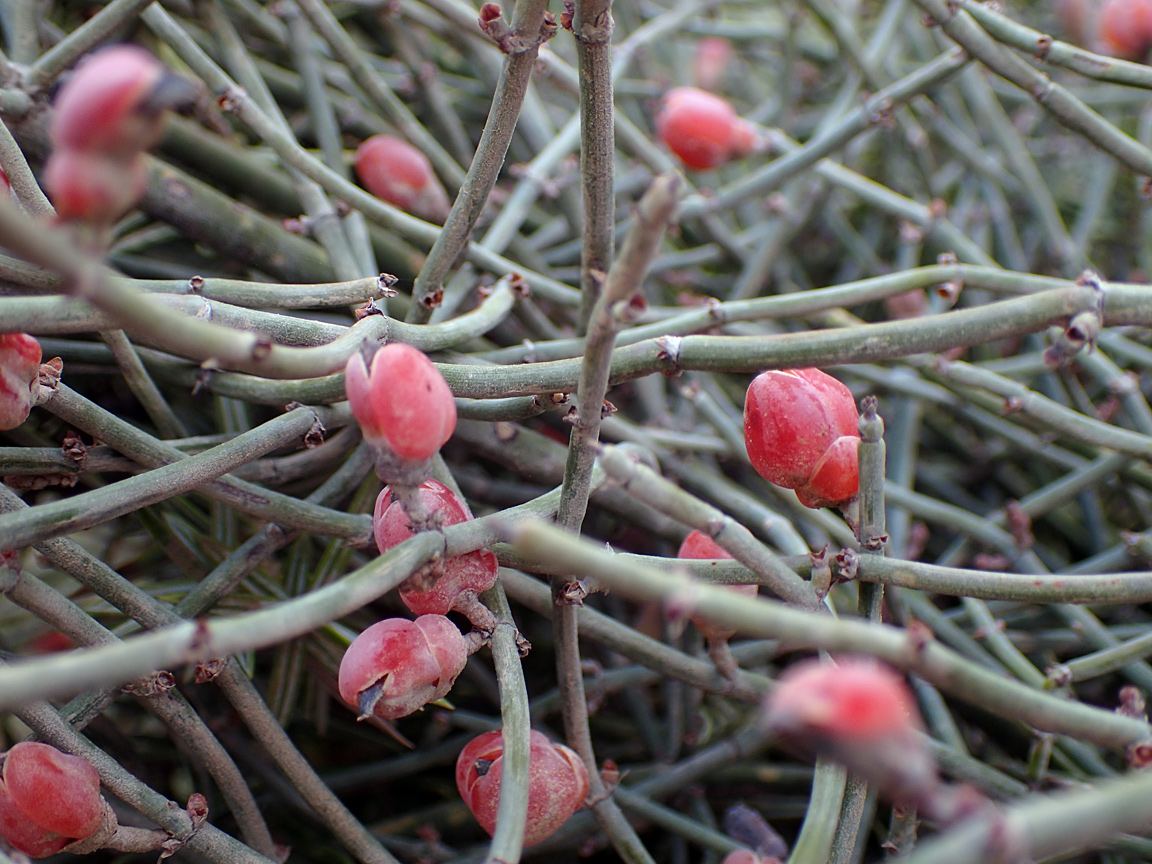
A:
[403,402]
[557,783]
[862,714]
[742,856]
[395,171]
[106,115]
[474,571]
[87,185]
[103,105]
[47,799]
[836,477]
[702,128]
[855,698]
[791,417]
[1126,28]
[19,375]
[699,546]
[713,53]
[423,658]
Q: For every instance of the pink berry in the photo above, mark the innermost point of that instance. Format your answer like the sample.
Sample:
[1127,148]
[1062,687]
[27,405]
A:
[836,476]
[107,114]
[86,185]
[703,129]
[860,713]
[107,103]
[403,403]
[395,171]
[713,54]
[1126,28]
[474,571]
[700,546]
[792,417]
[397,666]
[853,698]
[557,783]
[48,799]
[19,375]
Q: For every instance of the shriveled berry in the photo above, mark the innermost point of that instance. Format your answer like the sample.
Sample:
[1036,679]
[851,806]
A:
[471,572]
[397,666]
[395,171]
[403,403]
[700,546]
[48,799]
[703,129]
[557,783]
[19,374]
[792,417]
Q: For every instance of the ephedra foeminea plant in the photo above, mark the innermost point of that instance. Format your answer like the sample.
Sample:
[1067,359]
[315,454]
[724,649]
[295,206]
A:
[840,306]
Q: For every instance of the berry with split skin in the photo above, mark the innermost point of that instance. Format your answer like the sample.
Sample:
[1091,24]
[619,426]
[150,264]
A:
[460,578]
[402,403]
[106,115]
[703,129]
[800,427]
[395,171]
[19,375]
[397,666]
[557,783]
[48,799]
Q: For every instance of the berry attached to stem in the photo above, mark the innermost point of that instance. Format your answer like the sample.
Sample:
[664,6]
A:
[108,113]
[48,799]
[19,374]
[457,581]
[405,410]
[800,427]
[557,783]
[397,666]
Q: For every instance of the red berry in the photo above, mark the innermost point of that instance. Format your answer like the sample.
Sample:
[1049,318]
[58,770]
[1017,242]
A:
[88,186]
[854,698]
[473,571]
[791,419]
[1126,27]
[19,375]
[860,713]
[557,783]
[836,477]
[397,666]
[48,799]
[395,171]
[106,115]
[702,129]
[403,403]
[700,546]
